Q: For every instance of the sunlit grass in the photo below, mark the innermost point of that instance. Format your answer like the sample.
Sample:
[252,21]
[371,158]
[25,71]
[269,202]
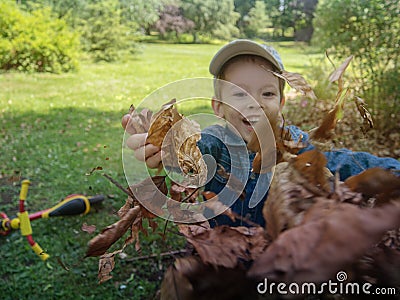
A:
[54,130]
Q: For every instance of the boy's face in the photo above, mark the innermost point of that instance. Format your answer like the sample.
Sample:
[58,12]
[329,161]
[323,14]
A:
[254,89]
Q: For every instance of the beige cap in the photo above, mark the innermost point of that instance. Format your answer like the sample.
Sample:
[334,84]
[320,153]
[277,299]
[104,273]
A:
[243,46]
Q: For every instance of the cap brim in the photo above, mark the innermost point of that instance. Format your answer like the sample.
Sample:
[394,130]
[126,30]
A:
[240,47]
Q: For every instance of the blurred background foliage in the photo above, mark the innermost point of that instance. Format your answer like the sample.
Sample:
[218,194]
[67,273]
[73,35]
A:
[52,36]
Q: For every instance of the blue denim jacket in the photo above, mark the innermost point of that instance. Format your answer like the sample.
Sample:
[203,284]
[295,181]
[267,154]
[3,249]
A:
[230,153]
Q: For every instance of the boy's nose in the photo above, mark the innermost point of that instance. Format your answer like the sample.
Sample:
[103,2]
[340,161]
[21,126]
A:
[253,102]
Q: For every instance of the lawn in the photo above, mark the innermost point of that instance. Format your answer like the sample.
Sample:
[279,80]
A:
[54,130]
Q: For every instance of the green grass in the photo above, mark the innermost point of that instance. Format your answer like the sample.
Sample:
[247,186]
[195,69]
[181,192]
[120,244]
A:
[54,130]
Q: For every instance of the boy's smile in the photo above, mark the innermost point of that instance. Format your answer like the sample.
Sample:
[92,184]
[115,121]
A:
[253,91]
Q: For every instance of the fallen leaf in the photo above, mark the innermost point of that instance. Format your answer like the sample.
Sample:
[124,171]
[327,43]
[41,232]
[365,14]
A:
[100,244]
[138,122]
[177,136]
[311,165]
[152,191]
[191,279]
[106,265]
[88,228]
[286,203]
[375,182]
[331,237]
[368,123]
[296,81]
[338,73]
[324,131]
[161,123]
[225,246]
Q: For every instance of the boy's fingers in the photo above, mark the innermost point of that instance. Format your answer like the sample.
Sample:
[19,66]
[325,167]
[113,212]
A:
[125,120]
[151,150]
[153,161]
[125,124]
[136,141]
[144,153]
[139,154]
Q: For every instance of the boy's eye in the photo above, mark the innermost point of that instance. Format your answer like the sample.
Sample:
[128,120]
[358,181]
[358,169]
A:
[240,94]
[268,94]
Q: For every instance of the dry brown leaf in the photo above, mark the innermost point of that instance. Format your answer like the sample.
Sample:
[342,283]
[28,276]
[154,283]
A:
[138,122]
[324,131]
[106,265]
[338,73]
[217,206]
[190,279]
[88,228]
[225,246]
[178,137]
[296,81]
[189,155]
[368,123]
[311,165]
[152,191]
[162,122]
[380,265]
[100,244]
[193,229]
[272,153]
[136,227]
[176,192]
[176,284]
[287,200]
[331,238]
[129,203]
[375,182]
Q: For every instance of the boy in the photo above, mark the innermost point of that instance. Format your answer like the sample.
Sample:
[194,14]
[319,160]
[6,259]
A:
[254,89]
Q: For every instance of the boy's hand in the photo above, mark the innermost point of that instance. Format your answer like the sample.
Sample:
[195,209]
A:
[137,142]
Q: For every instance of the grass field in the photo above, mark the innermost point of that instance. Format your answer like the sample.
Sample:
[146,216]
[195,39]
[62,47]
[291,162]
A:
[54,130]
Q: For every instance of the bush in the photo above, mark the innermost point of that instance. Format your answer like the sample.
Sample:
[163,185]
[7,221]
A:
[369,31]
[104,36]
[36,42]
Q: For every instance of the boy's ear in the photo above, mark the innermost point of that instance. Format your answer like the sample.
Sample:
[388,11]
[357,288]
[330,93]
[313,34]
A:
[217,107]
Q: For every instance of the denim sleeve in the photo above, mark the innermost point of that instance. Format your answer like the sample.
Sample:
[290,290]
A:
[211,140]
[346,162]
[349,163]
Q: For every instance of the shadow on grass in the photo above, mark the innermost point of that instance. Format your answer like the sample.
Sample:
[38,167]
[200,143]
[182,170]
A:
[56,151]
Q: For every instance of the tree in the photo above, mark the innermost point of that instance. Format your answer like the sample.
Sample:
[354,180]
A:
[243,6]
[273,12]
[104,37]
[172,21]
[145,13]
[369,31]
[295,14]
[69,10]
[256,19]
[213,18]
[303,27]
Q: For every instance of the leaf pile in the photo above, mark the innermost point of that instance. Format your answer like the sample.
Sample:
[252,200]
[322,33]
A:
[316,225]
[172,132]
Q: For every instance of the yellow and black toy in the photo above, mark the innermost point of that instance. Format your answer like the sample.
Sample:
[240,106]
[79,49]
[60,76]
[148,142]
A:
[71,205]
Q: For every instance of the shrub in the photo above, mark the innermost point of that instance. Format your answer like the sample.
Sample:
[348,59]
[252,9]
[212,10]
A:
[36,42]
[104,36]
[369,30]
